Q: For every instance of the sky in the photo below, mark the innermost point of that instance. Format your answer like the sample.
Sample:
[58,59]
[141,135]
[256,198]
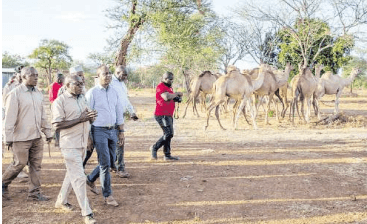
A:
[80,24]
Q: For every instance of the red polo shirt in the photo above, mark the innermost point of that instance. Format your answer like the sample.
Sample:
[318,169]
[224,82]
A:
[53,91]
[163,108]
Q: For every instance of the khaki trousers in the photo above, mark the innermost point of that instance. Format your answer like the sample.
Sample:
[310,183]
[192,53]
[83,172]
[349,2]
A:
[75,179]
[30,152]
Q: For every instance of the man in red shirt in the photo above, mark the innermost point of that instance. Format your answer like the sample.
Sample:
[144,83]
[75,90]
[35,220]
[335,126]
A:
[165,106]
[55,87]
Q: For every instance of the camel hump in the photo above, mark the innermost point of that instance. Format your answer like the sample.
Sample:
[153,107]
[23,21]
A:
[327,75]
[204,73]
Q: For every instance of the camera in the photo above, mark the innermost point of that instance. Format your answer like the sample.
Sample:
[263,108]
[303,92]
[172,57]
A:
[177,99]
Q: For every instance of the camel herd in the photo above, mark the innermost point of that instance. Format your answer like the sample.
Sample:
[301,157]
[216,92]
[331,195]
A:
[250,88]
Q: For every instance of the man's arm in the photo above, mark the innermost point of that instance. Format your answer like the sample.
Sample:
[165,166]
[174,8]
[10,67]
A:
[11,116]
[169,96]
[45,125]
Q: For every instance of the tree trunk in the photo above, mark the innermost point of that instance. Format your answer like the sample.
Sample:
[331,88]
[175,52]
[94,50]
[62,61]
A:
[121,54]
[187,81]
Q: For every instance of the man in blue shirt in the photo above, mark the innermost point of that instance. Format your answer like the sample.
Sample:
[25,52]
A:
[107,130]
[118,83]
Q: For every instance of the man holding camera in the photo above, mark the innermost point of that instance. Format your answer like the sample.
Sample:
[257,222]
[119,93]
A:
[165,107]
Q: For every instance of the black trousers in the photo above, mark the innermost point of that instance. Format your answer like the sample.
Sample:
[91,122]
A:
[166,123]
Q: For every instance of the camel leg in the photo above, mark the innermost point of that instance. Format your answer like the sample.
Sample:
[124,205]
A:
[256,105]
[338,94]
[235,106]
[209,110]
[195,110]
[187,105]
[242,105]
[308,114]
[281,101]
[251,112]
[217,115]
[276,109]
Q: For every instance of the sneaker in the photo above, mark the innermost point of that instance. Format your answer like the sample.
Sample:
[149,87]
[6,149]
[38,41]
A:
[111,201]
[66,207]
[123,174]
[170,158]
[153,153]
[38,197]
[89,219]
[113,169]
[92,187]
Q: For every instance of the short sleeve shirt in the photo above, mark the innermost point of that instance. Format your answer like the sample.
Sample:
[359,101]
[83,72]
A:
[68,107]
[163,108]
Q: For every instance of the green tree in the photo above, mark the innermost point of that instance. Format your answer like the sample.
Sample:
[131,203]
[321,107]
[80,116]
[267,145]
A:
[129,16]
[310,41]
[51,55]
[11,61]
[189,40]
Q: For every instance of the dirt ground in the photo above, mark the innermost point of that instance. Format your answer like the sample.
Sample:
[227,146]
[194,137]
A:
[281,173]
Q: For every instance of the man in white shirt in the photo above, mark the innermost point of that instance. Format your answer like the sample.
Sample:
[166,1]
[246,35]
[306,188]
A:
[118,83]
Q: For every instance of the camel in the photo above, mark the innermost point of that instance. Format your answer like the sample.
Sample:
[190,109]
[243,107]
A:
[303,87]
[236,86]
[202,84]
[331,84]
[273,80]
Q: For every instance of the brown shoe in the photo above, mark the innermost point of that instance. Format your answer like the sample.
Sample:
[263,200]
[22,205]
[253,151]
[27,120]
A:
[92,187]
[111,201]
[123,174]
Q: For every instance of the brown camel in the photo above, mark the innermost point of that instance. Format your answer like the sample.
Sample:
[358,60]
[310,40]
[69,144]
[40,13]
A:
[273,80]
[238,87]
[303,88]
[331,84]
[202,84]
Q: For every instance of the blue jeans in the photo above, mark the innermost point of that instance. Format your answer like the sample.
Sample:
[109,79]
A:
[120,164]
[105,143]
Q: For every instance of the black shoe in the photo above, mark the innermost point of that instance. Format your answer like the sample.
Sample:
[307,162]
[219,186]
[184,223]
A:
[5,193]
[170,158]
[153,153]
[38,197]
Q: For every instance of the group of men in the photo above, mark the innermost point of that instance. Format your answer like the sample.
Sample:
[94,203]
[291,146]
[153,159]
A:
[85,121]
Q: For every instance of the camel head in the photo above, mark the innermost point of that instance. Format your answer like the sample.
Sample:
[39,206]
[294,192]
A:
[355,72]
[231,68]
[318,69]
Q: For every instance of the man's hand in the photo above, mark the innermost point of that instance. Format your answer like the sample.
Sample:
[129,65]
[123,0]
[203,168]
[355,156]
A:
[121,141]
[10,144]
[179,94]
[84,116]
[49,139]
[134,117]
[92,116]
[89,145]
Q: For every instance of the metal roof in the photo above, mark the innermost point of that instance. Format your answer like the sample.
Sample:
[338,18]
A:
[11,70]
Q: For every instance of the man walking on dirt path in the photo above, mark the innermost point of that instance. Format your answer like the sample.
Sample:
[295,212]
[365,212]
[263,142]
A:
[9,87]
[55,87]
[71,116]
[25,119]
[107,131]
[165,106]
[118,83]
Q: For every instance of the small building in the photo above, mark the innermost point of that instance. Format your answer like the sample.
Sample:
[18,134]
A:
[7,73]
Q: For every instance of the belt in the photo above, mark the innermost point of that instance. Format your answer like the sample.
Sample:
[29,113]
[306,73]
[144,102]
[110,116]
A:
[106,127]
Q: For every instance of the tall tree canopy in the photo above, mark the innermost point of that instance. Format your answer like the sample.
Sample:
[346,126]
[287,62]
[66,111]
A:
[11,61]
[51,55]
